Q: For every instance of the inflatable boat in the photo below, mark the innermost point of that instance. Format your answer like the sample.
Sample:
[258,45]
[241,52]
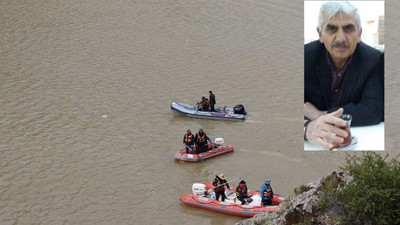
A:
[215,149]
[203,197]
[233,114]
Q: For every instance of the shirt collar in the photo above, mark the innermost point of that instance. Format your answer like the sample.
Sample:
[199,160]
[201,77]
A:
[333,66]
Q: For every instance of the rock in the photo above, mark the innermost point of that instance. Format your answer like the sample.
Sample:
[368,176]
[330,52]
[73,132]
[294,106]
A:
[294,216]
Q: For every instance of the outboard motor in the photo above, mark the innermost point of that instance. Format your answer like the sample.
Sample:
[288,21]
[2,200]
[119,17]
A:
[199,189]
[239,109]
[219,142]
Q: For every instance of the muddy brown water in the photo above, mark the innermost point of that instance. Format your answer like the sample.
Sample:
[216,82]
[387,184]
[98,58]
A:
[87,134]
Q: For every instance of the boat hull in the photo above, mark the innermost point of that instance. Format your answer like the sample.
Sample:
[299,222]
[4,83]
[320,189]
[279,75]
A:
[232,207]
[183,156]
[221,114]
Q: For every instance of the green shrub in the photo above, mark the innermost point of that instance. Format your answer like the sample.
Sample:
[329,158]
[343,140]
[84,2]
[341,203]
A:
[305,221]
[374,195]
[328,196]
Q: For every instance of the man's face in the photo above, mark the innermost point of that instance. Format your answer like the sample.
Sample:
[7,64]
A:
[340,36]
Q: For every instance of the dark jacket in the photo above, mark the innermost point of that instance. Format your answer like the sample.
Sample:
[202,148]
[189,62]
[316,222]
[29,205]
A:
[362,91]
[220,184]
[212,99]
[241,191]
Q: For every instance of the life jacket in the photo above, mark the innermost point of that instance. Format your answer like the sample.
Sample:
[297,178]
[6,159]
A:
[206,104]
[268,193]
[219,186]
[241,191]
[201,139]
[189,138]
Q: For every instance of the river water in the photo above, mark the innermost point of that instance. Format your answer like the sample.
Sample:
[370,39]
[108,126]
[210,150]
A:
[87,134]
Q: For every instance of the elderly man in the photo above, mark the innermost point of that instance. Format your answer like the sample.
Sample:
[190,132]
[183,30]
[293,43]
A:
[341,75]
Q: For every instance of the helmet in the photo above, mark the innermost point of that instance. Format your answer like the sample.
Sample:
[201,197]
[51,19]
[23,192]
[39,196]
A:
[203,97]
[267,181]
[242,182]
[189,131]
[221,175]
[201,130]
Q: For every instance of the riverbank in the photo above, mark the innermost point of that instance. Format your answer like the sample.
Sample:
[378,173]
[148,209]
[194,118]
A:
[367,191]
[303,206]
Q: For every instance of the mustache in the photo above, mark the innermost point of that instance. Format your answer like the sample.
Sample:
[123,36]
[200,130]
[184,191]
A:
[341,44]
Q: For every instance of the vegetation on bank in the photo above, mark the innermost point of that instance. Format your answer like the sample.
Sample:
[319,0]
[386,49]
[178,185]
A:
[372,197]
[365,192]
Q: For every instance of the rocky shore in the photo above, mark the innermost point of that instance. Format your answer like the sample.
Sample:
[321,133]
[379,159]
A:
[305,208]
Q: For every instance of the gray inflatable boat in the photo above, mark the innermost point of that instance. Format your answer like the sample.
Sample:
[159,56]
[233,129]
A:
[221,113]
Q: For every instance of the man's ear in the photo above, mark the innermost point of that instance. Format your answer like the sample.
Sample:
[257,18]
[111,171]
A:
[320,35]
[359,36]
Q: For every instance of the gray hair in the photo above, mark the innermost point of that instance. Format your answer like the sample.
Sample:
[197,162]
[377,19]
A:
[330,9]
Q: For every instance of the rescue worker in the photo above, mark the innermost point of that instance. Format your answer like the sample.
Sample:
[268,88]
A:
[204,104]
[212,101]
[188,141]
[201,141]
[241,193]
[220,183]
[266,193]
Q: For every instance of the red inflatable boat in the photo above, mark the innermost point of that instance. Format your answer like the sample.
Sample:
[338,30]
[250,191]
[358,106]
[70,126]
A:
[215,150]
[202,198]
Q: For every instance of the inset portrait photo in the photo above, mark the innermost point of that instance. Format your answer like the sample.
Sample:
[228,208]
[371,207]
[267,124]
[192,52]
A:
[344,75]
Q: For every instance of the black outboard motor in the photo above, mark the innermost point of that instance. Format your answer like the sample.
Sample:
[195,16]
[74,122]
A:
[239,109]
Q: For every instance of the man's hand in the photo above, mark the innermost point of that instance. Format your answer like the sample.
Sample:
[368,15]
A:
[325,129]
[311,112]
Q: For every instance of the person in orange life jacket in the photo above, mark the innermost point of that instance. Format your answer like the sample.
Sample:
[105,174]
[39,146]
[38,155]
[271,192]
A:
[204,104]
[188,141]
[212,101]
[266,193]
[220,183]
[201,141]
[241,193]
